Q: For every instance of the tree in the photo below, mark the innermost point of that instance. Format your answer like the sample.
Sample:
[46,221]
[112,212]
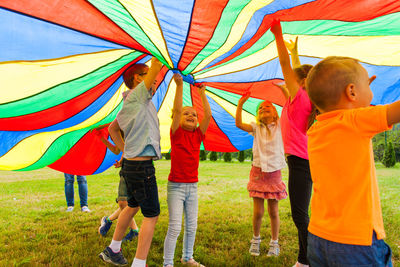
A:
[241,156]
[213,156]
[389,158]
[380,143]
[227,157]
[203,155]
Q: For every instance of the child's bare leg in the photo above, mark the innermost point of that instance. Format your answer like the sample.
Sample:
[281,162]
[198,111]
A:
[115,214]
[122,204]
[124,220]
[273,211]
[258,213]
[133,224]
[145,237]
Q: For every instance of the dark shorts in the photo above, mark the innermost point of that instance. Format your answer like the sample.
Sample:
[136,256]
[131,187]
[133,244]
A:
[322,252]
[122,189]
[141,185]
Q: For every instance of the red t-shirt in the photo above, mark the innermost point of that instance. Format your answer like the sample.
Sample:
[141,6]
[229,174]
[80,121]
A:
[185,155]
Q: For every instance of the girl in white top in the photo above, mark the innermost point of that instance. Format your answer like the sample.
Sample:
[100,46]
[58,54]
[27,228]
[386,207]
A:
[265,175]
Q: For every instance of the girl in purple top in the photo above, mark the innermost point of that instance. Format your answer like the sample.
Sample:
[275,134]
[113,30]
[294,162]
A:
[297,115]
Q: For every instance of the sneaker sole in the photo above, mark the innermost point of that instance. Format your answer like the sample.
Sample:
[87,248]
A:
[105,258]
[100,232]
[254,254]
[101,225]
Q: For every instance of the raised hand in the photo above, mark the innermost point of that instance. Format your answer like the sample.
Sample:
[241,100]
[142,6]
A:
[238,119]
[292,46]
[283,88]
[276,28]
[244,98]
[202,89]
[178,79]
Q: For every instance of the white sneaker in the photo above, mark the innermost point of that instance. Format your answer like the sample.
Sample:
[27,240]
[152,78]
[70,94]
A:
[70,209]
[273,249]
[85,209]
[255,247]
[191,263]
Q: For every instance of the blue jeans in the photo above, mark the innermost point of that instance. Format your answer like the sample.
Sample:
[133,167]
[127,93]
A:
[182,197]
[324,253]
[69,189]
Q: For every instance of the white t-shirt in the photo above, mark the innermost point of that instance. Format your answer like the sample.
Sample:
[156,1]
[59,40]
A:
[268,152]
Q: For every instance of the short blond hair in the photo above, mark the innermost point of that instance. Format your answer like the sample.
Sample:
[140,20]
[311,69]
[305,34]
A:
[173,110]
[328,79]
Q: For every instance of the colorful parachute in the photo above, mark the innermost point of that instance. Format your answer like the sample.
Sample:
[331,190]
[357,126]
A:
[61,64]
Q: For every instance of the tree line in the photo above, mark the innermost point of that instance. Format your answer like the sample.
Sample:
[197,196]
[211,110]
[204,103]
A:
[386,147]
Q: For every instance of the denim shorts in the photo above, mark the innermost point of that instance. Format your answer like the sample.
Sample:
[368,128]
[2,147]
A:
[122,189]
[141,186]
[324,253]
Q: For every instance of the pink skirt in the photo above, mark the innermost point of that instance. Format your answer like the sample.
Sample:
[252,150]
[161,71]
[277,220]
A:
[266,185]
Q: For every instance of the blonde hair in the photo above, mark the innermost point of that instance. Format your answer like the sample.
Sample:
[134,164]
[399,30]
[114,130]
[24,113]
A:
[173,110]
[275,118]
[328,79]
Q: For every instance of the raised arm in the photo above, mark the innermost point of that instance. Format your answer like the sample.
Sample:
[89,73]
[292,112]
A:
[177,109]
[393,110]
[111,147]
[393,113]
[115,132]
[283,88]
[101,127]
[153,72]
[294,54]
[288,73]
[244,126]
[206,107]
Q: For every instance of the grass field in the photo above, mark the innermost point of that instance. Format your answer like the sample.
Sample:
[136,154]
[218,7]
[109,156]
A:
[35,230]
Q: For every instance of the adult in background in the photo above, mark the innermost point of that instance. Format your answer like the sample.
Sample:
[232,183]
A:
[69,191]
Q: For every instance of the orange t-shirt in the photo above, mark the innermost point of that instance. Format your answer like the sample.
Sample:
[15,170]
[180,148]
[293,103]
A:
[345,206]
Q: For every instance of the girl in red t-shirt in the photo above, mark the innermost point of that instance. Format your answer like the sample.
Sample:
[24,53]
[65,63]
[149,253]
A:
[186,138]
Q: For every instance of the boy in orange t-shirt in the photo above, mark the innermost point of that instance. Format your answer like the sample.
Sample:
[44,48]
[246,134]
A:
[346,225]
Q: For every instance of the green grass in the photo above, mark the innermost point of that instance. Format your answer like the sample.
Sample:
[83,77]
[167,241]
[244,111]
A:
[35,230]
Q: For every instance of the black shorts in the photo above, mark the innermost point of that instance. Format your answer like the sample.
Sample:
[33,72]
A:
[141,186]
